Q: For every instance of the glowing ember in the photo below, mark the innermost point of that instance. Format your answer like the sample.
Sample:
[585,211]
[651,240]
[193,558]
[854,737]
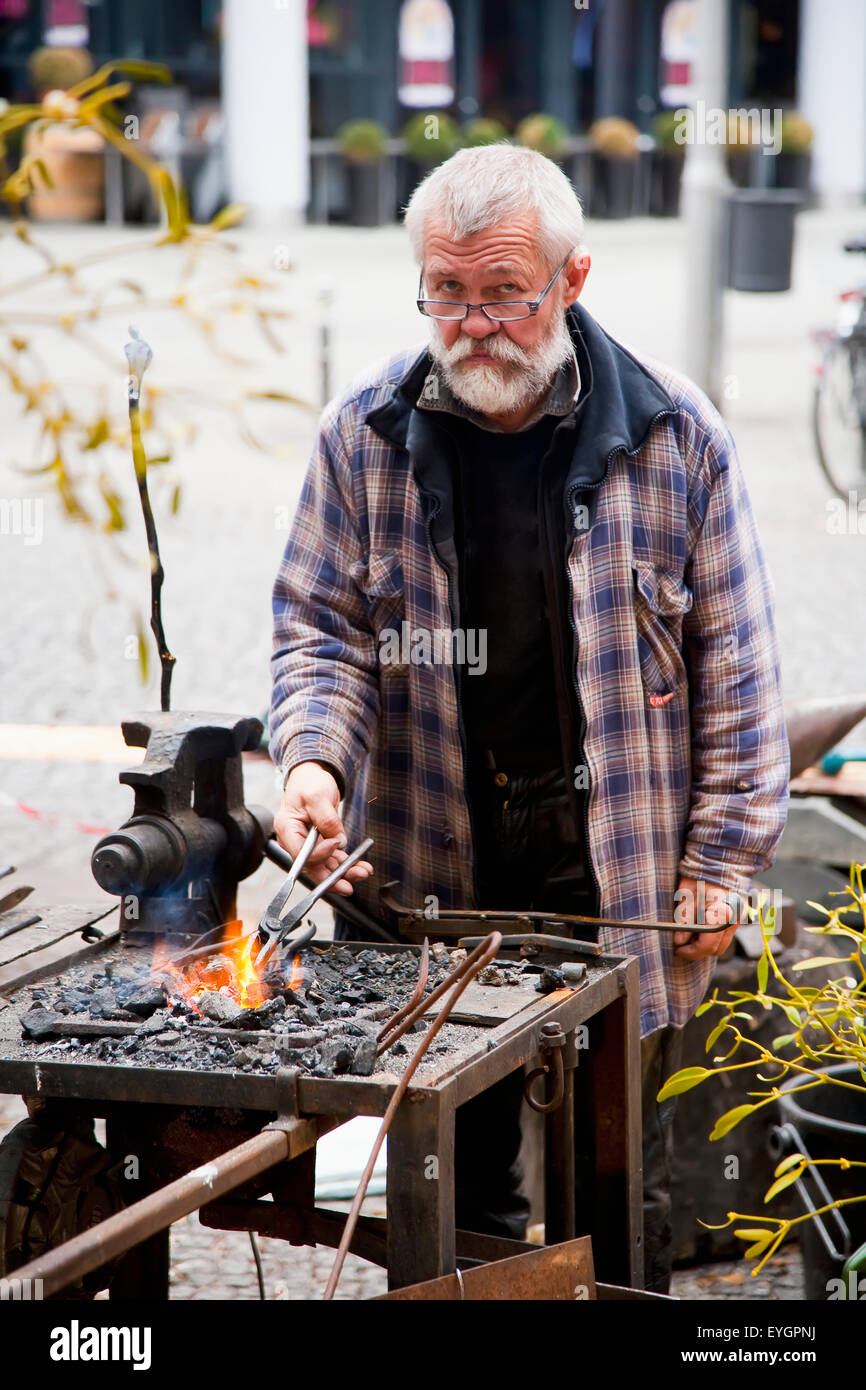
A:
[297,976]
[228,970]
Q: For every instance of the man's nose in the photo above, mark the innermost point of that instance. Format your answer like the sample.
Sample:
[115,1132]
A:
[477,325]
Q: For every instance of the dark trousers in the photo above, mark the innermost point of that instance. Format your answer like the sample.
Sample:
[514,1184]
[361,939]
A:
[527,853]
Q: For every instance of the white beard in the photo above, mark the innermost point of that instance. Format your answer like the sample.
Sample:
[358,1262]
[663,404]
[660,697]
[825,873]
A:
[524,377]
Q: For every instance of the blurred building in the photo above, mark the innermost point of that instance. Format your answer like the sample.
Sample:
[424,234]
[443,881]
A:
[574,59]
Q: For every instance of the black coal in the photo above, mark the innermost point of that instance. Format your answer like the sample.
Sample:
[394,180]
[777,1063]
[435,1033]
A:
[326,1025]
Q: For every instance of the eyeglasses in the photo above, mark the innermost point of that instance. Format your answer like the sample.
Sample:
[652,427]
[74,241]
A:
[498,311]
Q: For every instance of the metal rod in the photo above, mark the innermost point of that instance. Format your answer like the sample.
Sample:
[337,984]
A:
[459,979]
[119,1233]
[417,994]
[388,1034]
[494,915]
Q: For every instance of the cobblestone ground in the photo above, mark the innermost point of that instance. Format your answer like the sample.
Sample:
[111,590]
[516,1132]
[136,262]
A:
[62,654]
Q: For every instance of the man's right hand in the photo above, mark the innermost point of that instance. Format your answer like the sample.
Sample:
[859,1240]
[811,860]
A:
[312,797]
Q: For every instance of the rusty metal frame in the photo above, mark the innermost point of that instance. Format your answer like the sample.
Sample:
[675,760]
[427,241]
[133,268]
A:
[421,1241]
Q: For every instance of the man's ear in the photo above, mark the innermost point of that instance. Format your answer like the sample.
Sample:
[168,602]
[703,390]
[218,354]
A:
[575,276]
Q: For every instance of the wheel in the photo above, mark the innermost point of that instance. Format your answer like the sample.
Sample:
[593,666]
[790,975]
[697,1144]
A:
[839,416]
[55,1181]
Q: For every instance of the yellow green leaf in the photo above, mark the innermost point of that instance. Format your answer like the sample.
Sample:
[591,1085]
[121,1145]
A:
[683,1081]
[143,651]
[792,1161]
[786,1180]
[228,216]
[731,1119]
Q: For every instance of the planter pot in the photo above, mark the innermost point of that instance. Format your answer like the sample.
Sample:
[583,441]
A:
[700,1181]
[75,160]
[415,172]
[827,1122]
[666,179]
[793,171]
[740,166]
[367,184]
[761,239]
[613,186]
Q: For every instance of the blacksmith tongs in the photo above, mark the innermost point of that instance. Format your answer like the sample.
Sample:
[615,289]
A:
[274,929]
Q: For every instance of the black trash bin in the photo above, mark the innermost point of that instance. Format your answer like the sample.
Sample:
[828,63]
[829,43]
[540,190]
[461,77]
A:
[761,238]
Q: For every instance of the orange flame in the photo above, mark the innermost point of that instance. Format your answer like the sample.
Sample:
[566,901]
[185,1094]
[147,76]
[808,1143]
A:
[229,970]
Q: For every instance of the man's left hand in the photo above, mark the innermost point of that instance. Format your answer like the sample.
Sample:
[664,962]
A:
[701,904]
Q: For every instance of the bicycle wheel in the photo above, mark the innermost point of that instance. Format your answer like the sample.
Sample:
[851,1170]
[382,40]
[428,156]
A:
[839,416]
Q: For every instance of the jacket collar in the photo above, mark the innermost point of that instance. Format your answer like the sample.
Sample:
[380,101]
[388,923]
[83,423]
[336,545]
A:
[619,404]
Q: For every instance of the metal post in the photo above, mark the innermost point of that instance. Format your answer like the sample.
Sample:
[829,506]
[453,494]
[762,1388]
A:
[326,298]
[705,189]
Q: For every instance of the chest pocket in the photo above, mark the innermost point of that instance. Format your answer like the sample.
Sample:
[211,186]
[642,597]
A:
[661,601]
[380,579]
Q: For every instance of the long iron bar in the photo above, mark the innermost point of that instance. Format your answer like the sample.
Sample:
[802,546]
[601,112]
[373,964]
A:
[389,1033]
[459,978]
[104,1242]
[412,1003]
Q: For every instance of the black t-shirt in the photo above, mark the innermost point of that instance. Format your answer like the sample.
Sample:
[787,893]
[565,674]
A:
[511,706]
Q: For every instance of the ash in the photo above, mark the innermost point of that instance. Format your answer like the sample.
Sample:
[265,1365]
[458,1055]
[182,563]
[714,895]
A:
[326,1025]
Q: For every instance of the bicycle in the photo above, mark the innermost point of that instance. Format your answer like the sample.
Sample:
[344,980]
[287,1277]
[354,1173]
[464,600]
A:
[839,405]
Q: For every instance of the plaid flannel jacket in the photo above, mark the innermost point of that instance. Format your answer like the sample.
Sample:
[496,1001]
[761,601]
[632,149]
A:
[675,653]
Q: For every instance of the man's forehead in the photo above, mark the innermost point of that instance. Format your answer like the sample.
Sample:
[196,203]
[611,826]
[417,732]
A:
[507,248]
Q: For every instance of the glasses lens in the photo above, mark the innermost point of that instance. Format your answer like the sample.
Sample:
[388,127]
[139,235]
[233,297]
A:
[443,309]
[501,312]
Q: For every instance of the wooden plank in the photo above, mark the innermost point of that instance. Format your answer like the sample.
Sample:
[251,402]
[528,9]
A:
[67,743]
[57,923]
[51,960]
[850,780]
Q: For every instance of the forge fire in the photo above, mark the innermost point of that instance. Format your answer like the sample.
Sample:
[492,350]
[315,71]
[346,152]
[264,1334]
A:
[321,1010]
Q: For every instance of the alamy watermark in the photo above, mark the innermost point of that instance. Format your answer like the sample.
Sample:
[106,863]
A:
[712,125]
[691,907]
[23,516]
[846,518]
[439,646]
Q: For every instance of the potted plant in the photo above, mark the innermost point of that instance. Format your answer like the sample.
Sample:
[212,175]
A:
[430,137]
[615,148]
[484,131]
[814,1074]
[543,133]
[666,163]
[794,160]
[73,157]
[363,145]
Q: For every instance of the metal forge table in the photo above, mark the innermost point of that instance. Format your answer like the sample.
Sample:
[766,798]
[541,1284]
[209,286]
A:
[176,1119]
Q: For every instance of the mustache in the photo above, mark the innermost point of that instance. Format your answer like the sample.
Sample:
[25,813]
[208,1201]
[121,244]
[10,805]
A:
[500,348]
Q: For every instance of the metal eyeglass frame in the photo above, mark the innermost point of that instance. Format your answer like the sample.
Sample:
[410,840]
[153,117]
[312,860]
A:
[532,305]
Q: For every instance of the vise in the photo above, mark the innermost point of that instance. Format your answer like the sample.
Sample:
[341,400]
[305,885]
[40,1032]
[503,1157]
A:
[176,863]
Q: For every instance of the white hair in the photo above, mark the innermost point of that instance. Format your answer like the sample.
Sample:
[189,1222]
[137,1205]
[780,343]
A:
[479,188]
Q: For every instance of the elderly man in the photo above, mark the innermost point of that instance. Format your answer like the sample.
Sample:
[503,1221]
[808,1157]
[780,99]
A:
[602,733]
